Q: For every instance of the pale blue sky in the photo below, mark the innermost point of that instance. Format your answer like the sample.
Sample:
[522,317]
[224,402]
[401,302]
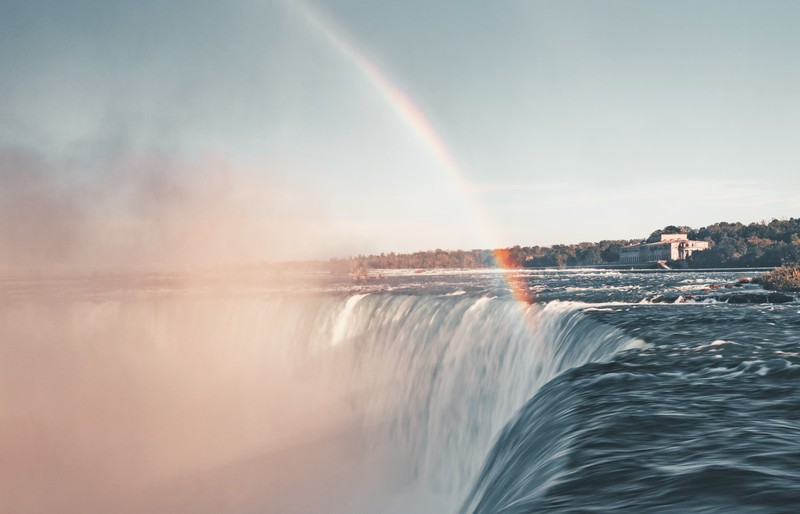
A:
[570,120]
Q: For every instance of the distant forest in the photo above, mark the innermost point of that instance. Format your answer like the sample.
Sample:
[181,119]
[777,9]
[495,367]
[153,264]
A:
[732,245]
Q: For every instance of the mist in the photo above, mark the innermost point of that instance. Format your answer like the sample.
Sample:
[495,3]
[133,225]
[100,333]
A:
[150,211]
[150,392]
[168,402]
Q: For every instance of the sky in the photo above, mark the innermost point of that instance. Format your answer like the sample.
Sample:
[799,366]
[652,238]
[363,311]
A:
[165,132]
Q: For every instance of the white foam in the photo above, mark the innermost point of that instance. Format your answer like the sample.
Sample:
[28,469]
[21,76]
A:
[480,304]
[340,326]
[718,342]
[638,344]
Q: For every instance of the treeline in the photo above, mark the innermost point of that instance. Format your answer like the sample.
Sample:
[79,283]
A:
[582,254]
[732,245]
[417,260]
[735,245]
[604,252]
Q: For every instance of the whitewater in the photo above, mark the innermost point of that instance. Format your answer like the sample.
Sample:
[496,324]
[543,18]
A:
[412,392]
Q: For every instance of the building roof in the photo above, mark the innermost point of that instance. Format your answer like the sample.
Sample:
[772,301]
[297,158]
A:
[666,242]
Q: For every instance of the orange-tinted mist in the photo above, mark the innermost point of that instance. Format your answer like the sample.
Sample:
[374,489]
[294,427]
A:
[517,284]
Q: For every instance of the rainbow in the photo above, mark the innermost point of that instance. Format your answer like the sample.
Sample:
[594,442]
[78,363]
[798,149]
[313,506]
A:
[419,124]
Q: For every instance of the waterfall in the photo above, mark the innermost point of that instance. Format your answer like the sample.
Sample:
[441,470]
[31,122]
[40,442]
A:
[175,382]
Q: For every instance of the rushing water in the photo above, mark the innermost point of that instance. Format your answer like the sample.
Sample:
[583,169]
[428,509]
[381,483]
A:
[423,392]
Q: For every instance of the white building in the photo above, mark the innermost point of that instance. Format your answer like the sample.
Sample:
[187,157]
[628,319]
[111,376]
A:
[672,247]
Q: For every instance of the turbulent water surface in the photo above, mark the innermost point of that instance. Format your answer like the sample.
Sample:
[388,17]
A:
[412,392]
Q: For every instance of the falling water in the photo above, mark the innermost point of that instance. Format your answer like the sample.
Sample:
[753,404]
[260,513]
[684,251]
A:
[132,396]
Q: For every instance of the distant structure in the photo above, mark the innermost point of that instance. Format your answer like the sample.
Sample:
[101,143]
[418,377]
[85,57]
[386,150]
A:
[672,247]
